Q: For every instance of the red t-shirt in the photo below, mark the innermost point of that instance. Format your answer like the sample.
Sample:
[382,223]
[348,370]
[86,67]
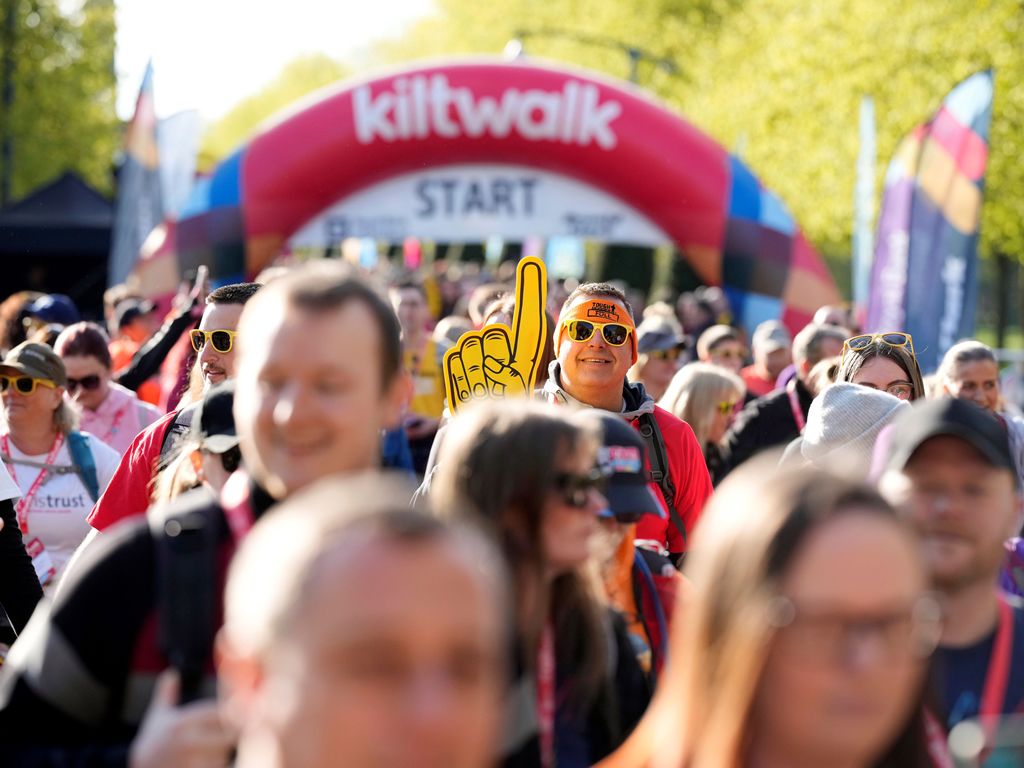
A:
[689,476]
[128,493]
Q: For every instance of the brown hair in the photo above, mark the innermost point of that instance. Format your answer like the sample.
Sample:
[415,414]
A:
[854,359]
[84,340]
[497,466]
[606,290]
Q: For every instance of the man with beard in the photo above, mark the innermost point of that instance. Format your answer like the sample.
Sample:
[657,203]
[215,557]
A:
[950,469]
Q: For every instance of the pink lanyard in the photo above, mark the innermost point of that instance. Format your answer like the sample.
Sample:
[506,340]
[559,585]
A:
[546,697]
[116,422]
[25,502]
[794,404]
[237,505]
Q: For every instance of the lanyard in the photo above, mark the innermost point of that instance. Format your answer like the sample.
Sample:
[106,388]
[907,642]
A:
[237,505]
[794,405]
[546,696]
[25,502]
[998,674]
[116,421]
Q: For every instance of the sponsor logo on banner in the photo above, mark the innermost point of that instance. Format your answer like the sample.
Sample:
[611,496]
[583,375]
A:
[420,106]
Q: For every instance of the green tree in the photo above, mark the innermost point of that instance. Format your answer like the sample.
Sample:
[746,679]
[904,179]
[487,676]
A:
[299,78]
[63,113]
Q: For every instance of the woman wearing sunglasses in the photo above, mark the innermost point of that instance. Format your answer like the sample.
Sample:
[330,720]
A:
[806,635]
[883,361]
[60,471]
[706,397]
[111,412]
[527,473]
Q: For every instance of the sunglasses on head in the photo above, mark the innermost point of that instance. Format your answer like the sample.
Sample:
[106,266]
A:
[575,489]
[865,340]
[25,385]
[222,341]
[86,382]
[614,334]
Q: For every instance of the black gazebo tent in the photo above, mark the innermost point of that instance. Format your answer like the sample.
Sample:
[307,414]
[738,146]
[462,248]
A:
[57,240]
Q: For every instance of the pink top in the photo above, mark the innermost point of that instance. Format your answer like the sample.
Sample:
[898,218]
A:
[120,417]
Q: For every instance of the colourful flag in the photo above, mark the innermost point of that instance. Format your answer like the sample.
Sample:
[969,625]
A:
[924,279]
[139,203]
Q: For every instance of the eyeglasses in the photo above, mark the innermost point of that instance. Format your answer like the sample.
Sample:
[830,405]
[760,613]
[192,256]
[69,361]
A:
[726,407]
[865,340]
[826,636]
[86,382]
[575,489]
[672,355]
[25,385]
[615,334]
[222,341]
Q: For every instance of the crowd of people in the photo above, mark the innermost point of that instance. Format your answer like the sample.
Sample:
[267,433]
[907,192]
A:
[247,530]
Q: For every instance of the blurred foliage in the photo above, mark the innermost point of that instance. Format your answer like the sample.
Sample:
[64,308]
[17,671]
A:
[780,81]
[63,114]
[299,78]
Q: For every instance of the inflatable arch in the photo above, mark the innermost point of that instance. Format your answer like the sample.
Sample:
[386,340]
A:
[504,148]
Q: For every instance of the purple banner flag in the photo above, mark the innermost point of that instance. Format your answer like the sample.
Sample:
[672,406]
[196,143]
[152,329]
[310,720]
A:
[924,279]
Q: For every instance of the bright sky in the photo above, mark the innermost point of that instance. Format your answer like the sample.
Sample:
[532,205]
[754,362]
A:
[209,54]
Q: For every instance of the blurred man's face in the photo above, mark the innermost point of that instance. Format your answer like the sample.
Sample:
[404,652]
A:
[411,308]
[729,354]
[309,400]
[776,361]
[962,507]
[408,673]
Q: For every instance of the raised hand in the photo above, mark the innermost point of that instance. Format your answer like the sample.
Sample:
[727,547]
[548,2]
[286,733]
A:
[497,361]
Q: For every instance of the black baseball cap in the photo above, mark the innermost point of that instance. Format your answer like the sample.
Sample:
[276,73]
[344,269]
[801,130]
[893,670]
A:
[949,416]
[214,423]
[621,460]
[130,309]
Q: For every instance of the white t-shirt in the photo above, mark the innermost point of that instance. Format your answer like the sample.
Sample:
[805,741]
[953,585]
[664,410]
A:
[8,488]
[61,503]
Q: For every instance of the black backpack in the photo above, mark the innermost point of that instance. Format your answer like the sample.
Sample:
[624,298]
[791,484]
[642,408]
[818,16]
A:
[657,456]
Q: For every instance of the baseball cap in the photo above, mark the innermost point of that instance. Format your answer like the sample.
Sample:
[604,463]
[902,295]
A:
[129,310]
[36,360]
[953,417]
[621,460]
[55,308]
[770,336]
[658,333]
[213,424]
[714,336]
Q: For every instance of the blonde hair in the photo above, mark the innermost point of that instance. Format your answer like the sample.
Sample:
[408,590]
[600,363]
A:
[695,392]
[65,418]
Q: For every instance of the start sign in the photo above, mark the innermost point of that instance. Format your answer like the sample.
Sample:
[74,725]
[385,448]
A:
[478,201]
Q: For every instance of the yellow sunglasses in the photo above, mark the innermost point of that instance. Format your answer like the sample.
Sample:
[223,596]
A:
[865,340]
[24,385]
[222,341]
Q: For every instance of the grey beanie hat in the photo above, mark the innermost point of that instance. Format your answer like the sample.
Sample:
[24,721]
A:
[844,422]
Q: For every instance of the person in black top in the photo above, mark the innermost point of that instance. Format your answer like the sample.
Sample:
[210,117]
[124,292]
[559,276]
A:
[88,682]
[19,585]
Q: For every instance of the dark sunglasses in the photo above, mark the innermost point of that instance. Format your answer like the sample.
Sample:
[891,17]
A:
[25,385]
[231,459]
[222,341]
[615,334]
[86,382]
[672,355]
[575,489]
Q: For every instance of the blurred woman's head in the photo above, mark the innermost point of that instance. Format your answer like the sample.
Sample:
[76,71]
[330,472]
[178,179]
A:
[527,472]
[706,397]
[884,361]
[807,631]
[84,349]
[970,371]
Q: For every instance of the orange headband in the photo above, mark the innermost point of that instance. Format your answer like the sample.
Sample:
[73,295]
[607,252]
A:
[599,310]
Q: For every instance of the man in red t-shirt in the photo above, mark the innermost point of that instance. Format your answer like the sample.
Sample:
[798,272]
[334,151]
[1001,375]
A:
[596,344]
[128,493]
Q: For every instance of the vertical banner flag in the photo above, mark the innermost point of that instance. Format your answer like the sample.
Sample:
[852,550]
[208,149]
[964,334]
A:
[139,205]
[924,279]
[864,213]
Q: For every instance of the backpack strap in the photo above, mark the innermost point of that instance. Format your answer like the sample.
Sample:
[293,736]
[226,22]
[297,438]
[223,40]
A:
[186,548]
[84,463]
[656,455]
[175,435]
